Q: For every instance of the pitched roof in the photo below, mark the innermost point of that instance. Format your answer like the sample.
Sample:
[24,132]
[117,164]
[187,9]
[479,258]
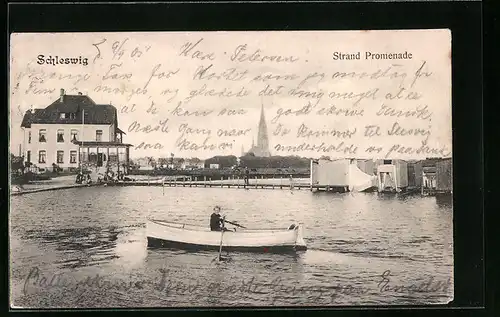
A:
[94,113]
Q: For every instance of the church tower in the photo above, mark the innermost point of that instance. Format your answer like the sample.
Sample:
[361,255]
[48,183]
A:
[262,137]
[262,147]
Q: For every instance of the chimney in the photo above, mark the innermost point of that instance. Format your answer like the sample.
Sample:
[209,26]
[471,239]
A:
[62,95]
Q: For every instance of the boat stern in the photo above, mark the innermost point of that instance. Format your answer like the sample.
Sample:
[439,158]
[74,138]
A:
[300,244]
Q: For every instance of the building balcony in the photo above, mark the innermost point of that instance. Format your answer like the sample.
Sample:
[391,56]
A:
[102,144]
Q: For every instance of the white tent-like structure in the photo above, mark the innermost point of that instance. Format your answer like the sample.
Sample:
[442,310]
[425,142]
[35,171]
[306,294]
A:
[342,173]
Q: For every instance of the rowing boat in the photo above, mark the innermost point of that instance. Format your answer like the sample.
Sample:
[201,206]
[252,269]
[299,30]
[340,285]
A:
[182,236]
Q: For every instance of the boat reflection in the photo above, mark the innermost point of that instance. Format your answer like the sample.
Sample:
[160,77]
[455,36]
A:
[80,247]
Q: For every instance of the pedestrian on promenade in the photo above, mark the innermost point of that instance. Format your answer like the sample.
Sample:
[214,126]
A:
[247,176]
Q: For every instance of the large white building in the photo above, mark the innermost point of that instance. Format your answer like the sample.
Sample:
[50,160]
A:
[74,132]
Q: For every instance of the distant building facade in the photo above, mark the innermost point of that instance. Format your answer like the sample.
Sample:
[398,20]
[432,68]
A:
[192,163]
[145,163]
[262,147]
[74,132]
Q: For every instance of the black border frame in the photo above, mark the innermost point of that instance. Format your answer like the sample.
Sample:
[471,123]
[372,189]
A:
[463,18]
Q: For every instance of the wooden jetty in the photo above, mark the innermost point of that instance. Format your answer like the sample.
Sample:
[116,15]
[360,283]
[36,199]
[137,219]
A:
[238,183]
[231,185]
[51,188]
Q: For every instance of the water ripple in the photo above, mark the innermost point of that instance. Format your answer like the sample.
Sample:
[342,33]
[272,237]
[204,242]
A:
[352,238]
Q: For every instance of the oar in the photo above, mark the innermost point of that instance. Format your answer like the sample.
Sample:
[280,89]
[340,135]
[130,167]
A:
[220,247]
[235,224]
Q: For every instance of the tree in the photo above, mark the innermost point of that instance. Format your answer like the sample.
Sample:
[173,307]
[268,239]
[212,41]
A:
[16,163]
[223,161]
[163,162]
[152,162]
[274,162]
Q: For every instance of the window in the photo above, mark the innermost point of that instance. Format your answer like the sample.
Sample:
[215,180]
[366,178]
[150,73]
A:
[72,156]
[113,157]
[62,115]
[74,135]
[98,135]
[93,157]
[42,136]
[60,157]
[84,156]
[387,161]
[60,135]
[72,115]
[42,156]
[28,157]
[29,137]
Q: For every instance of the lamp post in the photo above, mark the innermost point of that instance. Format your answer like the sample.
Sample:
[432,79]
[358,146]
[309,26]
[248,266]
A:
[81,146]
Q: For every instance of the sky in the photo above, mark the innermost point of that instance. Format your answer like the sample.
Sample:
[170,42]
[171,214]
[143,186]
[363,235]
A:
[147,76]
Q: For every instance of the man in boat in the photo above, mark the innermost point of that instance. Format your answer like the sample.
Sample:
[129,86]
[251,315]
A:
[216,221]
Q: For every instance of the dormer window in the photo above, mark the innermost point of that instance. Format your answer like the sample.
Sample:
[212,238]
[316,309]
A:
[62,115]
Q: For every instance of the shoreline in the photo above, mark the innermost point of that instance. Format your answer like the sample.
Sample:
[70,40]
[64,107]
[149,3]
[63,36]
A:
[157,182]
[273,183]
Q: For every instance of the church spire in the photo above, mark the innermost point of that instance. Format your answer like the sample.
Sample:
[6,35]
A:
[262,117]
[262,138]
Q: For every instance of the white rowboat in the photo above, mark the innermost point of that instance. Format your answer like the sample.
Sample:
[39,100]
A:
[182,236]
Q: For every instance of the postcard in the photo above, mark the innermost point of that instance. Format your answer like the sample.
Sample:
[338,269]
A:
[231,169]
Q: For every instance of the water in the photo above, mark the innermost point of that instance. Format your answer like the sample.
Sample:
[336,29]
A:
[64,237]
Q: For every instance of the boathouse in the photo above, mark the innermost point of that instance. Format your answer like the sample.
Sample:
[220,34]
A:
[73,133]
[392,175]
[429,178]
[437,176]
[414,174]
[444,177]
